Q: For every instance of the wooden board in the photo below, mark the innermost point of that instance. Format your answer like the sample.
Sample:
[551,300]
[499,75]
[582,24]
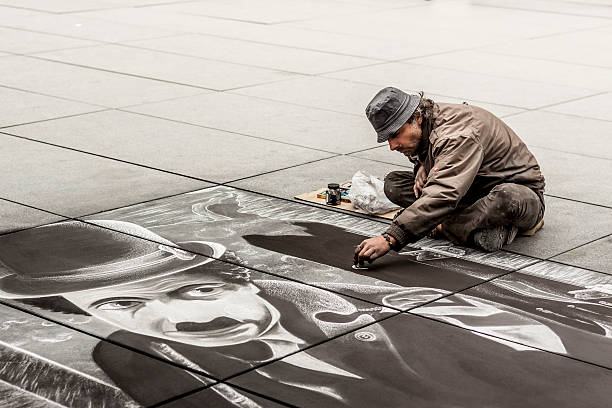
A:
[311,197]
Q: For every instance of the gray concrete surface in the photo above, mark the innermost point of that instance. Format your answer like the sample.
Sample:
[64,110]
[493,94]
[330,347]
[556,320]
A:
[289,82]
[129,101]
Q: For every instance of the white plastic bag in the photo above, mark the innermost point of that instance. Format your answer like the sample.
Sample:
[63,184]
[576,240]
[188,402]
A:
[368,193]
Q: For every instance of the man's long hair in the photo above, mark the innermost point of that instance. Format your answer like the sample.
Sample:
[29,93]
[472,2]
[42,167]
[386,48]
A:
[425,109]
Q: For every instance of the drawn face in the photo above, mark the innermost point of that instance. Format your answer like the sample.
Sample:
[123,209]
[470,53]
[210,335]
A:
[407,139]
[189,307]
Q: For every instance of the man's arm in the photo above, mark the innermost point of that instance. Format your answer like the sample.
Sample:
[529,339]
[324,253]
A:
[457,162]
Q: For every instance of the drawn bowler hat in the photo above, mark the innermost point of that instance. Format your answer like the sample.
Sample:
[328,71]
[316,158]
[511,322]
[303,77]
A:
[72,256]
[389,110]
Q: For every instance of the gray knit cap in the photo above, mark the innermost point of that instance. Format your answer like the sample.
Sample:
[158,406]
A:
[389,110]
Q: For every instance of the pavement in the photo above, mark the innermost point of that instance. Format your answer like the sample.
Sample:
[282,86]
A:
[109,104]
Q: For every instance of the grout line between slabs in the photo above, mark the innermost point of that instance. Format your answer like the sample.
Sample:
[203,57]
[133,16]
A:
[169,171]
[573,153]
[263,98]
[285,71]
[225,131]
[28,9]
[577,201]
[580,116]
[168,120]
[107,157]
[131,43]
[50,119]
[543,107]
[505,77]
[192,392]
[281,22]
[38,57]
[579,246]
[541,11]
[54,96]
[550,60]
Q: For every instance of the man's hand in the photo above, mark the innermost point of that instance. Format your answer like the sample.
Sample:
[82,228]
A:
[371,249]
[419,181]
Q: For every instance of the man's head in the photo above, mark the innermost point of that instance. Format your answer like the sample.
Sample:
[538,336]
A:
[146,286]
[397,117]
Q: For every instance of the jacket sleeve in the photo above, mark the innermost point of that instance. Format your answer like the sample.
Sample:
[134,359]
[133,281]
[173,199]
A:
[457,161]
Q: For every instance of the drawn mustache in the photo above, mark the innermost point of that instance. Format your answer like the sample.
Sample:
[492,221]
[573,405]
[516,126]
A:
[215,324]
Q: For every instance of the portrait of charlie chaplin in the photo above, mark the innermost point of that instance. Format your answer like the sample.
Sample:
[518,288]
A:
[195,304]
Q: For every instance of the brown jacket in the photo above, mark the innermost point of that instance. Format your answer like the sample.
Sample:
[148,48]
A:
[467,152]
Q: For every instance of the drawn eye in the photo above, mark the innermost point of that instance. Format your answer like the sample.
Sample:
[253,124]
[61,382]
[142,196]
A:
[119,304]
[201,291]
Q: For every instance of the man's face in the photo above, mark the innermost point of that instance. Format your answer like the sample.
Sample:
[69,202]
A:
[406,140]
[189,307]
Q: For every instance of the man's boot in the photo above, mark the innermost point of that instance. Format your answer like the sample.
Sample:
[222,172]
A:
[493,239]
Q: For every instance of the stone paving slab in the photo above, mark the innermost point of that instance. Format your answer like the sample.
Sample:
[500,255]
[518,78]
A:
[297,125]
[575,177]
[595,256]
[73,184]
[385,155]
[56,6]
[567,224]
[178,69]
[23,42]
[23,107]
[580,8]
[37,354]
[85,28]
[589,47]
[266,11]
[301,179]
[445,23]
[15,217]
[476,370]
[342,95]
[528,69]
[566,133]
[194,151]
[458,84]
[86,85]
[595,107]
[9,13]
[552,307]
[284,35]
[253,54]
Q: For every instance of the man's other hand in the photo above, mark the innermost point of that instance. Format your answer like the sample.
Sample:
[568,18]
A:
[371,249]
[419,181]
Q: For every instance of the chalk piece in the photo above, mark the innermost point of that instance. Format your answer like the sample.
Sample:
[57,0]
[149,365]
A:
[359,267]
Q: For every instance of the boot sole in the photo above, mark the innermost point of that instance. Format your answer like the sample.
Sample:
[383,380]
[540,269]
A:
[531,232]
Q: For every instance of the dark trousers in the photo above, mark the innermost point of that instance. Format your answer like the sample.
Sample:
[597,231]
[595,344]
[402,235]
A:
[505,204]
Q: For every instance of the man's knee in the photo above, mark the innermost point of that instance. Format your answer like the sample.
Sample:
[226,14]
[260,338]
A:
[516,201]
[399,188]
[506,196]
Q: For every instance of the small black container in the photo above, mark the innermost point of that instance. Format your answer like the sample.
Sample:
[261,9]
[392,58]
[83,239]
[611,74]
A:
[333,195]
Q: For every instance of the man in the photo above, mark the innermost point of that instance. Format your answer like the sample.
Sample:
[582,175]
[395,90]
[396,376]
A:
[474,180]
